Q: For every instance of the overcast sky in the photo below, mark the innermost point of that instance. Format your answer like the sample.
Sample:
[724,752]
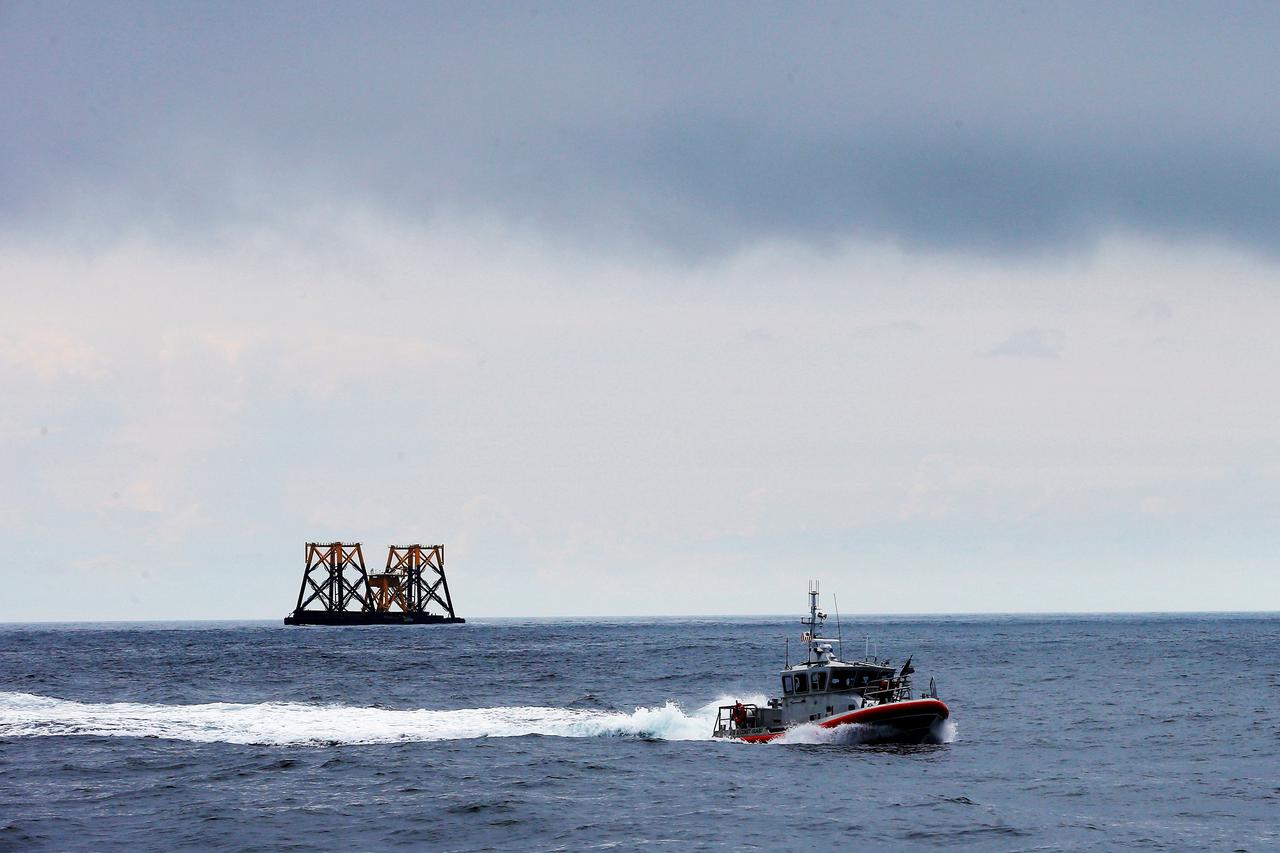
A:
[641,309]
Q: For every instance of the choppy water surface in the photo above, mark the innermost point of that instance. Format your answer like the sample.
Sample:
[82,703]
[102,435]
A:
[1070,733]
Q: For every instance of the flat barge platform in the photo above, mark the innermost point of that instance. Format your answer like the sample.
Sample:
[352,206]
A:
[355,617]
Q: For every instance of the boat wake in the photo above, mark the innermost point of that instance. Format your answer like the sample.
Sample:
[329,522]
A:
[291,724]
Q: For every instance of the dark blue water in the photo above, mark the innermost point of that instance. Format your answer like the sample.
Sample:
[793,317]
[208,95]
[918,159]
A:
[1071,733]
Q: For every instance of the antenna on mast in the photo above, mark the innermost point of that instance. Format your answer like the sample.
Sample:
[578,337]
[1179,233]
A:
[811,638]
[839,633]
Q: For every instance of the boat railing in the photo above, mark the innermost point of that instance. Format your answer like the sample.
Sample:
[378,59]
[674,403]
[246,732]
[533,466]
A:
[899,690]
[725,723]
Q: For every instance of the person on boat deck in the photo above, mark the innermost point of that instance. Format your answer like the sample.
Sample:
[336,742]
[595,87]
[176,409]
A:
[739,715]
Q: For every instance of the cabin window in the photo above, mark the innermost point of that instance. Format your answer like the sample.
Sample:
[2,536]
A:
[839,681]
[786,684]
[819,681]
[802,683]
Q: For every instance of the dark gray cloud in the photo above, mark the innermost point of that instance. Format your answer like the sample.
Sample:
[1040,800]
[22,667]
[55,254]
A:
[990,127]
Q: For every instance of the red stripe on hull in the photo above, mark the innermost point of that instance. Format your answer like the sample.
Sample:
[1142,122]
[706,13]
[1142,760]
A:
[886,713]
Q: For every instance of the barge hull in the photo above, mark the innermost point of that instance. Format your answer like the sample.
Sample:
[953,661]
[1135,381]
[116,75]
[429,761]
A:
[356,617]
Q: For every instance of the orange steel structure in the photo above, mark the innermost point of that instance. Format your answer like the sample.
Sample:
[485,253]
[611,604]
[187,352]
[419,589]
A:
[336,576]
[387,589]
[422,570]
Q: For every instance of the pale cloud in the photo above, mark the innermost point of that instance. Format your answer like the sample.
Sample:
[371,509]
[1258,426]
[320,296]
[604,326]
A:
[49,354]
[1001,490]
[229,343]
[1028,343]
[1154,311]
[898,327]
[322,362]
[470,389]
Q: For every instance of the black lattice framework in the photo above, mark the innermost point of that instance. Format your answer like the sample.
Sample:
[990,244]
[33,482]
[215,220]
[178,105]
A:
[424,580]
[335,578]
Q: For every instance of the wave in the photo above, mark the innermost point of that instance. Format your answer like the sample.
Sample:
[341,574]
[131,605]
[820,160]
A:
[290,723]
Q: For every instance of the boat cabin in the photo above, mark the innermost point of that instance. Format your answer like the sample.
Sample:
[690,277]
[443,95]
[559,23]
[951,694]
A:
[836,677]
[811,691]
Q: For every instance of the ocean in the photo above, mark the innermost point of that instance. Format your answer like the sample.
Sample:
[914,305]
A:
[1068,733]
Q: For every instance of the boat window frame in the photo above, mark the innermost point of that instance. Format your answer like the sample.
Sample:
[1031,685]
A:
[787,684]
[802,682]
[818,681]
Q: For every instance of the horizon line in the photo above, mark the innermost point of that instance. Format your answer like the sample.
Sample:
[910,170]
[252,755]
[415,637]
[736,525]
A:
[671,616]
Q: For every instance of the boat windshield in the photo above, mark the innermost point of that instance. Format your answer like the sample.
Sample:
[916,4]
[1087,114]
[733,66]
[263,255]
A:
[842,680]
[857,678]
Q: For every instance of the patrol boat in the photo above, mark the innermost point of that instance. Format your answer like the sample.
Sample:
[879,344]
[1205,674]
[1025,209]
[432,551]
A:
[830,692]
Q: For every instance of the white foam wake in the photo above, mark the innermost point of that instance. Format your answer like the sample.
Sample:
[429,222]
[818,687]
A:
[290,723]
